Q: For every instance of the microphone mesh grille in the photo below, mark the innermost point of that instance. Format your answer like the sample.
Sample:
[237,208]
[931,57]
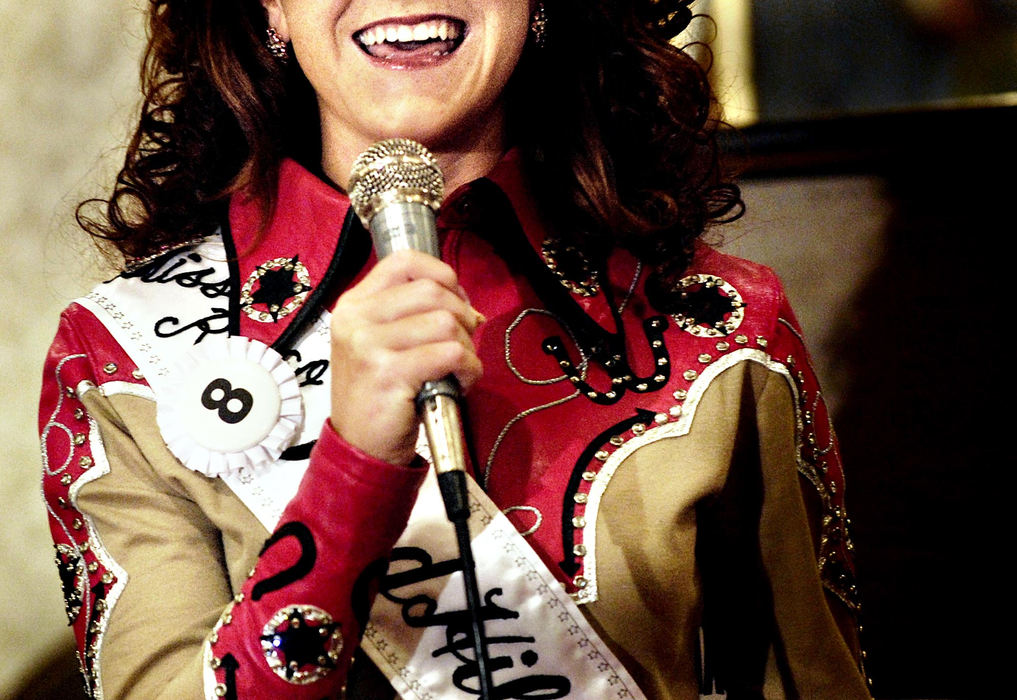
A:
[394,170]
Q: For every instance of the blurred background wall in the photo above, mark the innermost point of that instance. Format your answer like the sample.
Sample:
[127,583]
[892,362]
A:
[67,87]
[867,190]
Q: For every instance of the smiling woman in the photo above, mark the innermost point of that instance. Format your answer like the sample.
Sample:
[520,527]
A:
[229,426]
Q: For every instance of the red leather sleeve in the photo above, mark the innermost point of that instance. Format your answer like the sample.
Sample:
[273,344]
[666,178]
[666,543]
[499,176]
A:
[292,631]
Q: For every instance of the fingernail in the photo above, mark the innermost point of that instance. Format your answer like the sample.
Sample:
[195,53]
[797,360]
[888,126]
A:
[478,317]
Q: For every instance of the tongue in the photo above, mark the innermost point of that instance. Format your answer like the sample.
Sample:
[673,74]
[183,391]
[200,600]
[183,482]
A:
[411,49]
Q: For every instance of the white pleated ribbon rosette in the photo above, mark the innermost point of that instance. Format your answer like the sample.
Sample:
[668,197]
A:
[228,406]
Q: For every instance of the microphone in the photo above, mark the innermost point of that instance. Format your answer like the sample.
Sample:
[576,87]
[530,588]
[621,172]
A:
[395,187]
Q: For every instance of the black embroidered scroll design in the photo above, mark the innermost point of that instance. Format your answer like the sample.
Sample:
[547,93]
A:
[302,567]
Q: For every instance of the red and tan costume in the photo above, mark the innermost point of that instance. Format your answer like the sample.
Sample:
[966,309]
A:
[672,472]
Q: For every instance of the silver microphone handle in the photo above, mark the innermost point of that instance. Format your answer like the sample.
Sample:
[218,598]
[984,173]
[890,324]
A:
[411,226]
[404,226]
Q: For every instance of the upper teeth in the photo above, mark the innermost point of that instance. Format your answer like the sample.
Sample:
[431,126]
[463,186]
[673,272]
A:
[435,29]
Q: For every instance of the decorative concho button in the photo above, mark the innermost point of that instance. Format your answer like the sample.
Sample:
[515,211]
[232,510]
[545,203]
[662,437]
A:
[230,405]
[275,289]
[708,306]
[301,643]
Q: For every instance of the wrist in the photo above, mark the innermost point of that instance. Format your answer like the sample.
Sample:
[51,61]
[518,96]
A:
[402,457]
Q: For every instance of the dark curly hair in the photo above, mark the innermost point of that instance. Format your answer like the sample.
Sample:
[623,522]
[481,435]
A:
[615,126]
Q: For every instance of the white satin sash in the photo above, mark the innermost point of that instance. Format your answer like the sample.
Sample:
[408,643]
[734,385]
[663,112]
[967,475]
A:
[540,644]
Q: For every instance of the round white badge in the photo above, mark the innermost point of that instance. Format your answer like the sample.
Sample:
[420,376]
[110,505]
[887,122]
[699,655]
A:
[230,405]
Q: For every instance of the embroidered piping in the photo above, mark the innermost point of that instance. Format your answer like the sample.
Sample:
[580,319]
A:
[508,349]
[95,609]
[538,517]
[835,524]
[632,287]
[583,365]
[489,464]
[52,422]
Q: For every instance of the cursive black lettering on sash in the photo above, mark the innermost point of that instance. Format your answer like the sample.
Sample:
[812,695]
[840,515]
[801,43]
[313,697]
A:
[312,372]
[419,609]
[155,273]
[204,326]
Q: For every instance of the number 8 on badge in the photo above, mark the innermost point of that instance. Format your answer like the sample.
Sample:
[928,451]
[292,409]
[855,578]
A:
[232,405]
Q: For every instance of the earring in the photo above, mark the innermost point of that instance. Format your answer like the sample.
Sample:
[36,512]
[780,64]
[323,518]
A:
[538,26]
[276,46]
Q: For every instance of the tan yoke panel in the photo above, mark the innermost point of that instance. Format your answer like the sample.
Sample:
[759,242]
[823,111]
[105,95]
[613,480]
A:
[648,580]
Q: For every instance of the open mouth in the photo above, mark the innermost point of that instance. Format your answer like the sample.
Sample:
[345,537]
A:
[431,37]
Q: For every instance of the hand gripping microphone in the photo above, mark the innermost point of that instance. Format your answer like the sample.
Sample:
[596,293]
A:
[395,188]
